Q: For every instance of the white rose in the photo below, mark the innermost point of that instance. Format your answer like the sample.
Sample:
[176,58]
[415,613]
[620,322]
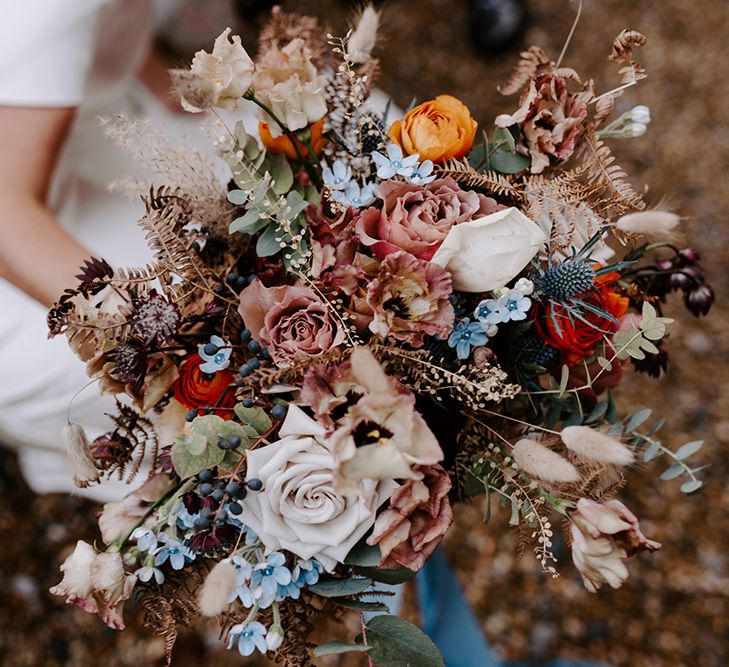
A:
[483,255]
[298,508]
[229,69]
[294,103]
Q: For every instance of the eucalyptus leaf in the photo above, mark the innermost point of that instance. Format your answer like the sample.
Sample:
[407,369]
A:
[189,459]
[397,643]
[238,197]
[508,163]
[281,174]
[564,379]
[676,470]
[332,588]
[334,648]
[689,449]
[361,605]
[395,575]
[653,451]
[254,417]
[637,419]
[364,555]
[249,223]
[505,139]
[267,244]
[691,486]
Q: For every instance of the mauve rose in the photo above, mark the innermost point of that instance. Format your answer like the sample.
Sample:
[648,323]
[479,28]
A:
[417,218]
[291,320]
[416,521]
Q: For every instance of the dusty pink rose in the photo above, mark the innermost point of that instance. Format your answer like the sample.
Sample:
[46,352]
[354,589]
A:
[417,218]
[416,521]
[550,117]
[97,583]
[291,320]
[409,299]
[603,536]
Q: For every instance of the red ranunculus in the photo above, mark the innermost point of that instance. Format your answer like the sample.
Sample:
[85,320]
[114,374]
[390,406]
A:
[195,389]
[574,337]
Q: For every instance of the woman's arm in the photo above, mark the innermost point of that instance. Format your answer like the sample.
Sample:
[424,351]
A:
[36,254]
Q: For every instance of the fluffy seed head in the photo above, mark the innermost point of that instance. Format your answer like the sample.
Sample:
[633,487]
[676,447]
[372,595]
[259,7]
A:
[216,590]
[538,461]
[78,450]
[364,37]
[649,222]
[597,446]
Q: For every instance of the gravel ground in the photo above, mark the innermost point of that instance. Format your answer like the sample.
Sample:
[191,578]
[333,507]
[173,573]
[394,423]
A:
[675,608]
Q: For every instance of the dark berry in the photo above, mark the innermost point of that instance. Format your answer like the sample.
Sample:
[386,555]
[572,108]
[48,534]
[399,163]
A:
[234,441]
[248,402]
[245,335]
[205,475]
[191,415]
[206,489]
[278,411]
[254,346]
[235,508]
[254,363]
[210,349]
[266,353]
[223,443]
[254,484]
[242,493]
[232,488]
[202,523]
[241,282]
[231,278]
[218,495]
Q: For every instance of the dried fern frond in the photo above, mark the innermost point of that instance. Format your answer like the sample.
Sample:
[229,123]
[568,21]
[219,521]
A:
[465,175]
[622,51]
[529,62]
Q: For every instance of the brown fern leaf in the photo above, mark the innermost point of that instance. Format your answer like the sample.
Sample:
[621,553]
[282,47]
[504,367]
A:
[622,51]
[611,194]
[464,174]
[530,61]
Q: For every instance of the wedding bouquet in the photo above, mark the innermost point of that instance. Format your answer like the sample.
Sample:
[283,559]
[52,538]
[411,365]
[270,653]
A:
[377,320]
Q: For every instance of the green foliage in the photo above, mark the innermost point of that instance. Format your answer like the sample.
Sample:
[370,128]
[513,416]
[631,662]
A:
[335,648]
[396,643]
[638,340]
[255,418]
[331,587]
[191,454]
[503,156]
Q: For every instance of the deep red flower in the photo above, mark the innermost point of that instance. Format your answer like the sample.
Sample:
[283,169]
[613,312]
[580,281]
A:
[574,337]
[195,389]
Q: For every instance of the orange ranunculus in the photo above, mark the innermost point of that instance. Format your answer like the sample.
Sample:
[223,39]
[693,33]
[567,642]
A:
[574,337]
[195,389]
[283,144]
[437,130]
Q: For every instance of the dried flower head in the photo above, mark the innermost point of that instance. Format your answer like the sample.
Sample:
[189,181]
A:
[216,591]
[595,445]
[155,320]
[78,450]
[538,461]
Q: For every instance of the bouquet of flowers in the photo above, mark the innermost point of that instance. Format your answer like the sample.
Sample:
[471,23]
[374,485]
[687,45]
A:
[376,320]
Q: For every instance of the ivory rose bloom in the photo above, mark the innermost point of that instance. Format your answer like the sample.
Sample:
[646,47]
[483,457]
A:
[299,508]
[436,130]
[291,320]
[287,82]
[603,535]
[228,71]
[416,521]
[484,254]
[418,218]
[96,582]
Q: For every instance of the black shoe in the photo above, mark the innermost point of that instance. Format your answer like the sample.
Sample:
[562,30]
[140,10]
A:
[495,24]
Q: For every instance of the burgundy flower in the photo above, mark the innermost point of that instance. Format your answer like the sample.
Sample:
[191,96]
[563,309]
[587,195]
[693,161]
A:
[551,119]
[417,218]
[416,521]
[699,300]
[409,299]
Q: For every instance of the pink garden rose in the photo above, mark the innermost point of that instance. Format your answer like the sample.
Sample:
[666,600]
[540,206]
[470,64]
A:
[416,521]
[291,320]
[550,117]
[417,218]
[409,299]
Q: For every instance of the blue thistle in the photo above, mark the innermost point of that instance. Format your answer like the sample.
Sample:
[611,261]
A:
[568,279]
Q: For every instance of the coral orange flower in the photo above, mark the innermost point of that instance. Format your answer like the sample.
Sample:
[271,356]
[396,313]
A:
[195,389]
[574,337]
[283,144]
[437,130]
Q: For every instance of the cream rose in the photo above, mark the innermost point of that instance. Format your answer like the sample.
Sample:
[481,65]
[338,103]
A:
[228,71]
[298,508]
[484,254]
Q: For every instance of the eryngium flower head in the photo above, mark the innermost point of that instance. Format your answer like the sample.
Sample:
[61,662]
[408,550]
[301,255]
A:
[568,279]
[156,320]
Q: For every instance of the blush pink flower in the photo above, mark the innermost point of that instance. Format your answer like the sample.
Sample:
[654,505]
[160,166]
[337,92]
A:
[417,218]
[603,536]
[415,522]
[409,299]
[292,320]
[550,117]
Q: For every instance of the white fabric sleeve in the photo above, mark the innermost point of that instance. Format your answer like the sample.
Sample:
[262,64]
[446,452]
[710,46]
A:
[46,50]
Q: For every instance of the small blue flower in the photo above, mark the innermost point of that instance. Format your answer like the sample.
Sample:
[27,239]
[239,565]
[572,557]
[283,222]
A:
[243,570]
[146,539]
[465,335]
[487,312]
[356,195]
[174,551]
[421,174]
[291,590]
[338,176]
[217,361]
[513,306]
[394,163]
[183,518]
[306,572]
[249,636]
[147,572]
[267,577]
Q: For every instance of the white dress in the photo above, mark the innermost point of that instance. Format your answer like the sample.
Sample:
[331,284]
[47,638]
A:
[72,53]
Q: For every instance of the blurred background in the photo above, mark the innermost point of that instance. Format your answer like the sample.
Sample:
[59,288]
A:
[674,610]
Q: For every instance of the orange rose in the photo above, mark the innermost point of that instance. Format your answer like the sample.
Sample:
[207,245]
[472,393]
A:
[283,144]
[574,337]
[195,389]
[437,130]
